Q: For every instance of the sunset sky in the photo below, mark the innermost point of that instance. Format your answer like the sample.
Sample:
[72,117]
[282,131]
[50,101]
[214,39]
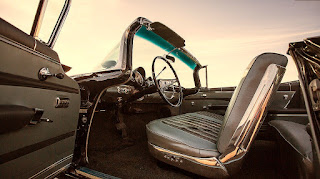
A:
[225,35]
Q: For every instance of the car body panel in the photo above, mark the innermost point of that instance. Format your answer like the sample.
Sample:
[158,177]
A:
[40,148]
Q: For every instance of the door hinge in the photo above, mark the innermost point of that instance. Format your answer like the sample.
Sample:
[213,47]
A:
[314,89]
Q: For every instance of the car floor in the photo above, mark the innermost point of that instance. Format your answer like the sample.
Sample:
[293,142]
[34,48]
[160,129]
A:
[130,158]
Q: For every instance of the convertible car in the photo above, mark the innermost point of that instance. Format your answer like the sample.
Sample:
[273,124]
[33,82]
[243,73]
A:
[134,119]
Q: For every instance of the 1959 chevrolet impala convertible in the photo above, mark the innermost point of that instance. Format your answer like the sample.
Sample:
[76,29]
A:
[133,119]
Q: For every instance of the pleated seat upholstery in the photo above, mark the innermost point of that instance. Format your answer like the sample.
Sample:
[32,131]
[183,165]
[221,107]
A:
[194,134]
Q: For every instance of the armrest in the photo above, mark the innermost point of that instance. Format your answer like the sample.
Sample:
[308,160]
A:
[288,111]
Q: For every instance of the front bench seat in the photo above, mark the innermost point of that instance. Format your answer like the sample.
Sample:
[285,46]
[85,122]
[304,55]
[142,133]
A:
[211,145]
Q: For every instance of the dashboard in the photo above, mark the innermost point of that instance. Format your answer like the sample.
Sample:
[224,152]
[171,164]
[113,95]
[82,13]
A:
[134,89]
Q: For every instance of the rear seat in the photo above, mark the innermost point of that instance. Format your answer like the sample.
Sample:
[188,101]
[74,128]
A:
[295,147]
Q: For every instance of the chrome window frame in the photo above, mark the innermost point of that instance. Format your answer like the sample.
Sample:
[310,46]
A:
[36,27]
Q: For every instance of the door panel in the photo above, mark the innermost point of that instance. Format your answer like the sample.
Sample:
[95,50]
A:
[36,150]
[218,101]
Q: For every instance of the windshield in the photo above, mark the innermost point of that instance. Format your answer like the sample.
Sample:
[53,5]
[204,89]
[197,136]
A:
[112,60]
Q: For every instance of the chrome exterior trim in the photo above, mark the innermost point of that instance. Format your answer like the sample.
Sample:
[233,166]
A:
[57,28]
[53,166]
[126,43]
[38,18]
[58,171]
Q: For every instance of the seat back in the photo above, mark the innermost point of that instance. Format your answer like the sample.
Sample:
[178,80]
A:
[250,99]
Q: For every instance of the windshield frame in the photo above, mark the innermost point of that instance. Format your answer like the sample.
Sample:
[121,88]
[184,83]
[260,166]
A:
[124,63]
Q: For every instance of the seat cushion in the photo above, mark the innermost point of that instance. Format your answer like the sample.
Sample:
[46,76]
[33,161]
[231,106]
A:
[295,149]
[296,135]
[193,134]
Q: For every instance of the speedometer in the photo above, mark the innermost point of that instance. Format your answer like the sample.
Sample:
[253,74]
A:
[138,78]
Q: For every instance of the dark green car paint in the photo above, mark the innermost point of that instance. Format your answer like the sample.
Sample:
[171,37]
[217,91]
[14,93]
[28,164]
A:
[40,149]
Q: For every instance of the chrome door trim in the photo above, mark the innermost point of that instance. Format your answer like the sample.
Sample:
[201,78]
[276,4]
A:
[52,166]
[27,49]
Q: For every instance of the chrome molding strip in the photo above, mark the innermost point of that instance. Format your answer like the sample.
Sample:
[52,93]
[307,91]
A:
[27,49]
[256,111]
[286,106]
[17,80]
[253,117]
[59,171]
[210,161]
[52,166]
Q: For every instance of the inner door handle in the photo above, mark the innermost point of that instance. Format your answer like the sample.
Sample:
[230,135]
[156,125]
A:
[37,118]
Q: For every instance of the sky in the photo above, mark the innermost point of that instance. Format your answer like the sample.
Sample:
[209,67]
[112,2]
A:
[225,35]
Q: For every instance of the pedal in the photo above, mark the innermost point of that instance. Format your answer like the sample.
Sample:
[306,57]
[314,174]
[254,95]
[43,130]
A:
[121,126]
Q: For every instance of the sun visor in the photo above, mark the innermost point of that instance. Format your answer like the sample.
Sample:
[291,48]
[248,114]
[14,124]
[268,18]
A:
[167,34]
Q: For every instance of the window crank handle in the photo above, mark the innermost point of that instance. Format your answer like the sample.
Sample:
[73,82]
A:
[44,73]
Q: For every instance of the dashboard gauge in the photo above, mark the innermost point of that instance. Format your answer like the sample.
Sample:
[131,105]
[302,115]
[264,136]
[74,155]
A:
[139,76]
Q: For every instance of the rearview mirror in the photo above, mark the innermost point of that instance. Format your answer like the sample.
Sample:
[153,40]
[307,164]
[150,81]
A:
[170,58]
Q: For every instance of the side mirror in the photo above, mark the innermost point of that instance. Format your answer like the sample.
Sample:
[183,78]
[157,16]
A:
[109,64]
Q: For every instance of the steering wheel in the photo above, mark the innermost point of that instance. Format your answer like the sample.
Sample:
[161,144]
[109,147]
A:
[169,89]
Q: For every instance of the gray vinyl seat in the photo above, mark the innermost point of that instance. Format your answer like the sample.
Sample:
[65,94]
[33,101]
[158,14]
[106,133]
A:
[212,145]
[295,147]
[197,135]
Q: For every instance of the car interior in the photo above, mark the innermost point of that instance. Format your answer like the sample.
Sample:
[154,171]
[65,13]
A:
[159,137]
[150,127]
